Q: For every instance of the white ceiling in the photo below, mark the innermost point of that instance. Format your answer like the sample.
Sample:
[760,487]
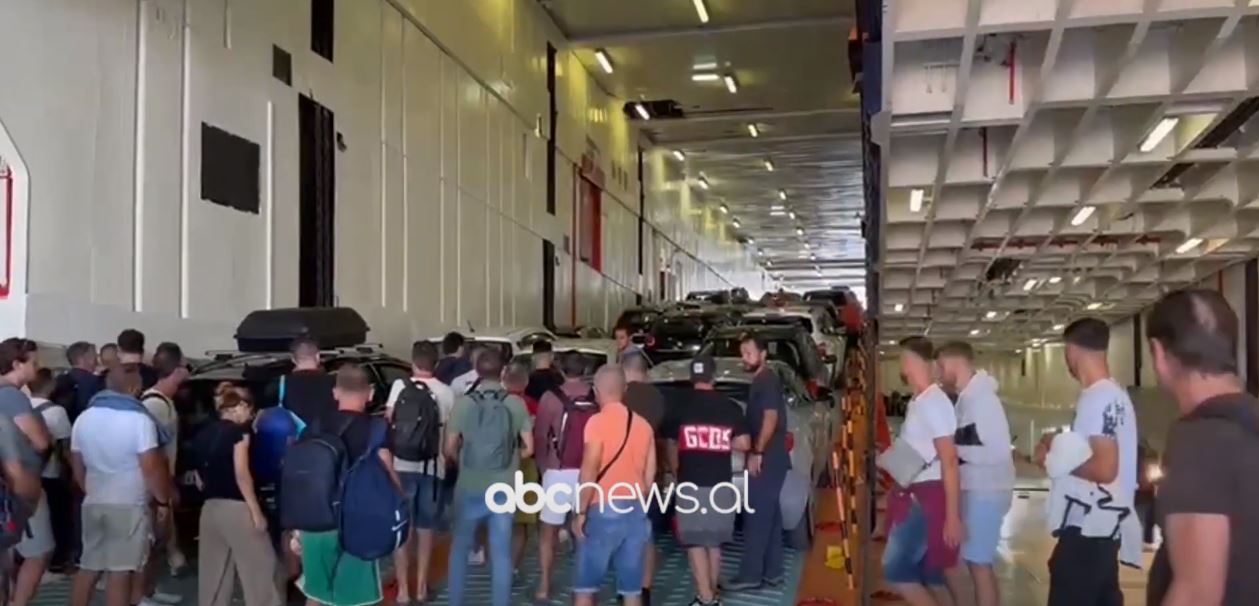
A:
[789,59]
[1006,153]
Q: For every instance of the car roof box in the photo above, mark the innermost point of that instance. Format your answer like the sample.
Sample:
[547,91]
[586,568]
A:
[275,329]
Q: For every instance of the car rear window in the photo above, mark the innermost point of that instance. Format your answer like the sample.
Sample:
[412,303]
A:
[779,350]
[801,321]
[637,321]
[681,327]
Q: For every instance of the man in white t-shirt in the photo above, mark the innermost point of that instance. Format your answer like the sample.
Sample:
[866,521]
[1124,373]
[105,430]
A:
[116,454]
[925,517]
[1084,567]
[421,480]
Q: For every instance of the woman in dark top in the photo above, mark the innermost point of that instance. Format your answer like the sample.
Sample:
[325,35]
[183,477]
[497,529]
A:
[234,542]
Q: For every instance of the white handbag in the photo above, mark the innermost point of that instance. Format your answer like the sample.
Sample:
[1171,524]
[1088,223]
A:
[902,462]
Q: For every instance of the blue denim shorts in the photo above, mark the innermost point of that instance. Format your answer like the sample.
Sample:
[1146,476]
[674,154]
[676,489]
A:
[616,540]
[425,493]
[982,514]
[905,558]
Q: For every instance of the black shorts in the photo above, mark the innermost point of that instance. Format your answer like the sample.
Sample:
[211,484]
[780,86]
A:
[1084,571]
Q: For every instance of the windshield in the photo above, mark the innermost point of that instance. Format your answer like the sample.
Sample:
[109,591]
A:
[782,351]
[637,321]
[801,321]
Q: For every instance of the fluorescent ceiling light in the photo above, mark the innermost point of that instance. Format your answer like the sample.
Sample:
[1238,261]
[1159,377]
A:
[802,254]
[751,240]
[704,65]
[701,10]
[1059,327]
[915,200]
[677,153]
[777,213]
[642,111]
[604,61]
[792,214]
[974,332]
[1093,306]
[1082,215]
[752,130]
[1030,284]
[1076,280]
[732,85]
[1188,245]
[812,257]
[761,253]
[782,195]
[806,246]
[703,182]
[898,308]
[800,231]
[725,210]
[1055,279]
[705,76]
[768,263]
[769,165]
[1156,136]
[990,315]
[735,223]
[777,208]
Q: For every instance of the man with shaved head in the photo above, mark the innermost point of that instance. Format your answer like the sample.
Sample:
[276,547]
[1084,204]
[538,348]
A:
[1208,502]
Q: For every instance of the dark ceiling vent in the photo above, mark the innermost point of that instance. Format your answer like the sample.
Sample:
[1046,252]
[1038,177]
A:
[1216,137]
[1002,270]
[658,109]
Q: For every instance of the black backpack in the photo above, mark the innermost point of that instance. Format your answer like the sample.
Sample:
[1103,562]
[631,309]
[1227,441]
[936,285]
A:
[417,423]
[310,481]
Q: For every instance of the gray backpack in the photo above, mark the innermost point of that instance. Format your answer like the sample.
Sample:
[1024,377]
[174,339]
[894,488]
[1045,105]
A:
[488,443]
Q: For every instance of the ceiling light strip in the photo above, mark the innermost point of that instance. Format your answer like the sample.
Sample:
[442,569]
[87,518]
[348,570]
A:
[701,10]
[604,61]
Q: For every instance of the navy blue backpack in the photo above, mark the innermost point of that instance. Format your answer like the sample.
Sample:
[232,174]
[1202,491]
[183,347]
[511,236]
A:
[374,518]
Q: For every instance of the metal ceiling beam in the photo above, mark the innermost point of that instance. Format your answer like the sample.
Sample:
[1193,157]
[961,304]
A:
[649,35]
[758,140]
[757,116]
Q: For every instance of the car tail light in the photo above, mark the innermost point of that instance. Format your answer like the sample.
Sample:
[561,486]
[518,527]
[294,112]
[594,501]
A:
[811,385]
[791,441]
[651,341]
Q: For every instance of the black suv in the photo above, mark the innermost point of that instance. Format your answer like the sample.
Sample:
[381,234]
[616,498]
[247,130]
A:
[679,334]
[789,344]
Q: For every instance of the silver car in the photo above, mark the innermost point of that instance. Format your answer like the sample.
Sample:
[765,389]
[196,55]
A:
[810,431]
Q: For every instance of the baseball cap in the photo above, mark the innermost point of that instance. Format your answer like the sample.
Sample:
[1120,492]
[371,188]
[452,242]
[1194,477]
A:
[703,368]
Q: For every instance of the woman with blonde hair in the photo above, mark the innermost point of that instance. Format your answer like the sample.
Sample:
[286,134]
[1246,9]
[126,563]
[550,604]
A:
[234,543]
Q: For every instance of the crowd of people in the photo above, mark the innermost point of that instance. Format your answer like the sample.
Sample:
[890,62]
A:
[88,461]
[953,472]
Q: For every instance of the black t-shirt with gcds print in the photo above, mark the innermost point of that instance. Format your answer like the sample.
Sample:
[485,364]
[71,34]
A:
[704,428]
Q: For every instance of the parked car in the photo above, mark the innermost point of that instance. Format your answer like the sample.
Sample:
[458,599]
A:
[511,341]
[845,301]
[810,424]
[679,334]
[816,320]
[594,352]
[788,344]
[638,319]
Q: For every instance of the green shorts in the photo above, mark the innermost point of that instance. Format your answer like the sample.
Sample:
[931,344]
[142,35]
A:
[331,576]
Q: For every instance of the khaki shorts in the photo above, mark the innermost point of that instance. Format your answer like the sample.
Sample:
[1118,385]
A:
[116,538]
[37,540]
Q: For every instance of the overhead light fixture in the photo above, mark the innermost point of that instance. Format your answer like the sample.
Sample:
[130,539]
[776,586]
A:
[1158,133]
[703,183]
[705,76]
[915,200]
[1076,280]
[777,212]
[990,315]
[812,257]
[735,223]
[752,130]
[677,153]
[799,231]
[768,263]
[761,253]
[898,308]
[1188,245]
[732,85]
[725,210]
[642,111]
[974,332]
[1030,284]
[1093,306]
[1059,327]
[782,195]
[1055,279]
[604,61]
[769,165]
[806,246]
[751,240]
[792,214]
[1082,215]
[776,208]
[701,10]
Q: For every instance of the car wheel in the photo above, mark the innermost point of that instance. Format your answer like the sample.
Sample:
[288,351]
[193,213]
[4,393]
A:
[800,538]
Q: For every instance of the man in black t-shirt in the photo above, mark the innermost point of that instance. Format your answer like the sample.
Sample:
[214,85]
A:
[545,377]
[307,391]
[703,434]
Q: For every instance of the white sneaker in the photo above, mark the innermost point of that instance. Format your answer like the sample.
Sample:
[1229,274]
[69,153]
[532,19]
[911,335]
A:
[477,558]
[169,599]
